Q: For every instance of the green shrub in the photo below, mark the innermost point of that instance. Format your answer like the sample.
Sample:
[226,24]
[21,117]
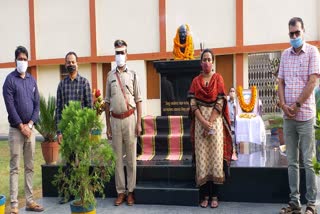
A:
[93,163]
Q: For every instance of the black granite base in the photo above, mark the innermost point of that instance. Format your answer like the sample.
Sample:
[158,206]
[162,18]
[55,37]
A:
[49,190]
[167,193]
[259,175]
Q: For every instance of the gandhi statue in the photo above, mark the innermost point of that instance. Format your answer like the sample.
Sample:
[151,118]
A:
[183,45]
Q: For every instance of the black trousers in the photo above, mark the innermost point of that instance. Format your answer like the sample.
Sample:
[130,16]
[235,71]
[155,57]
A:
[209,189]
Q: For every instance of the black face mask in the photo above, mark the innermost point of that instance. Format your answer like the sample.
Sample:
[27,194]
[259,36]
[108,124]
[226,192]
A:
[71,68]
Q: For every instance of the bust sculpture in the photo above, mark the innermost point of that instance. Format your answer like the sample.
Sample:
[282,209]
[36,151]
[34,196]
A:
[183,44]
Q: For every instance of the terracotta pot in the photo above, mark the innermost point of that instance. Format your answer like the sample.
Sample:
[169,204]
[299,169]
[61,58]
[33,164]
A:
[50,152]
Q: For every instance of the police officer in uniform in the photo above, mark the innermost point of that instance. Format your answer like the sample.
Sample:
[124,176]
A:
[123,99]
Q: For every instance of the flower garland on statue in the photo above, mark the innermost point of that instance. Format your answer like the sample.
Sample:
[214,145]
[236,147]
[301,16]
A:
[247,107]
[188,51]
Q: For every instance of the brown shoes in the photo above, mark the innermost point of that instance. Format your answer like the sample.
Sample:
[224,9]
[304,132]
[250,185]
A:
[120,199]
[130,199]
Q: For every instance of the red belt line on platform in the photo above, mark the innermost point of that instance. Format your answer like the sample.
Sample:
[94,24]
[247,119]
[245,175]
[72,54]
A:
[175,145]
[148,138]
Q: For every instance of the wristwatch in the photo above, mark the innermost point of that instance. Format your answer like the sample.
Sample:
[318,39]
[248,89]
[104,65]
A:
[298,104]
[30,125]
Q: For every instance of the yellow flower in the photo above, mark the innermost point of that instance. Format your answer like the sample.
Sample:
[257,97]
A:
[188,51]
[247,107]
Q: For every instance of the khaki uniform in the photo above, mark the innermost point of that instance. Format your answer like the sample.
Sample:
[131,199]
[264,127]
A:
[124,139]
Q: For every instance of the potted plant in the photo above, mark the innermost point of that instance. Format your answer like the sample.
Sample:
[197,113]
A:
[317,126]
[276,124]
[93,161]
[2,203]
[316,160]
[46,126]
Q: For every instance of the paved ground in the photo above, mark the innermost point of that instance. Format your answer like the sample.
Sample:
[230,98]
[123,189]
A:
[105,206]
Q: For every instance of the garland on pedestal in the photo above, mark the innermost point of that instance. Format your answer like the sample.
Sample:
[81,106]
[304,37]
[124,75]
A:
[247,107]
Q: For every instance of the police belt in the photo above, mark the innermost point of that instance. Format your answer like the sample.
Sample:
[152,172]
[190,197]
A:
[123,115]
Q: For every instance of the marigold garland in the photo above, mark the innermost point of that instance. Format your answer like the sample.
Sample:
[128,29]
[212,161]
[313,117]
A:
[247,107]
[188,51]
[247,116]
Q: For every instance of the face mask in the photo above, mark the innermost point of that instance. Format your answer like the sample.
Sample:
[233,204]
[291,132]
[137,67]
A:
[206,67]
[71,68]
[297,42]
[120,60]
[22,66]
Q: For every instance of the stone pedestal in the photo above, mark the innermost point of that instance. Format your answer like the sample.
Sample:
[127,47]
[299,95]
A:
[176,78]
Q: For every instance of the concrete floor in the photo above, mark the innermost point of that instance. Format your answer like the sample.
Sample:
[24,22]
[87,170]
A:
[105,206]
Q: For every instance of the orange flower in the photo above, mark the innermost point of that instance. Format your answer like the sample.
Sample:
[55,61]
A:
[188,51]
[247,107]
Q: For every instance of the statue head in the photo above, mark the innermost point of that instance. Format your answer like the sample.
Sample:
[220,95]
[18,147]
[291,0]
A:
[183,34]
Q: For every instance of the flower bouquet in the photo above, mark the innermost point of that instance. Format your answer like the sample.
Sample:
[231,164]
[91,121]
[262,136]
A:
[98,102]
[98,106]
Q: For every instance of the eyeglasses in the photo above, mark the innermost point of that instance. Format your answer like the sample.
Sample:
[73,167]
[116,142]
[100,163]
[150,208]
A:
[297,33]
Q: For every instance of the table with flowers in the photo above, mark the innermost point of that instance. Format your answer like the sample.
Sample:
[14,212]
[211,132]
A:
[249,126]
[250,130]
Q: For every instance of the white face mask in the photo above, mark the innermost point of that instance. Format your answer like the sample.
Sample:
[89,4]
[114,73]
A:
[120,60]
[22,66]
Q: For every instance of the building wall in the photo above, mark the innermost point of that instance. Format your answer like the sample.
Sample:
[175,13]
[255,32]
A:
[62,26]
[48,80]
[14,29]
[266,22]
[136,22]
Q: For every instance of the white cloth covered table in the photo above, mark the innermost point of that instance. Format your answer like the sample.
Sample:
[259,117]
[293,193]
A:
[250,130]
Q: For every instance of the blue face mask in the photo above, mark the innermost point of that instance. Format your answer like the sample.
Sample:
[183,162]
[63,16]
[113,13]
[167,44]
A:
[297,42]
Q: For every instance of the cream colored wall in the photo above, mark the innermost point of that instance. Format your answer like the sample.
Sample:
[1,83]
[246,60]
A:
[211,21]
[48,80]
[266,22]
[154,107]
[136,22]
[85,71]
[62,26]
[4,124]
[14,22]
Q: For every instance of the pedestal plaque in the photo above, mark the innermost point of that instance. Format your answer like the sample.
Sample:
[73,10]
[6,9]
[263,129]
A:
[176,78]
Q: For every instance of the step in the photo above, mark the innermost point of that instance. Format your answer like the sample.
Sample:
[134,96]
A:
[165,170]
[167,193]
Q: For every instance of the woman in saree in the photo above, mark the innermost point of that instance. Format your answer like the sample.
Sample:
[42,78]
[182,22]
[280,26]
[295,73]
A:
[211,130]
